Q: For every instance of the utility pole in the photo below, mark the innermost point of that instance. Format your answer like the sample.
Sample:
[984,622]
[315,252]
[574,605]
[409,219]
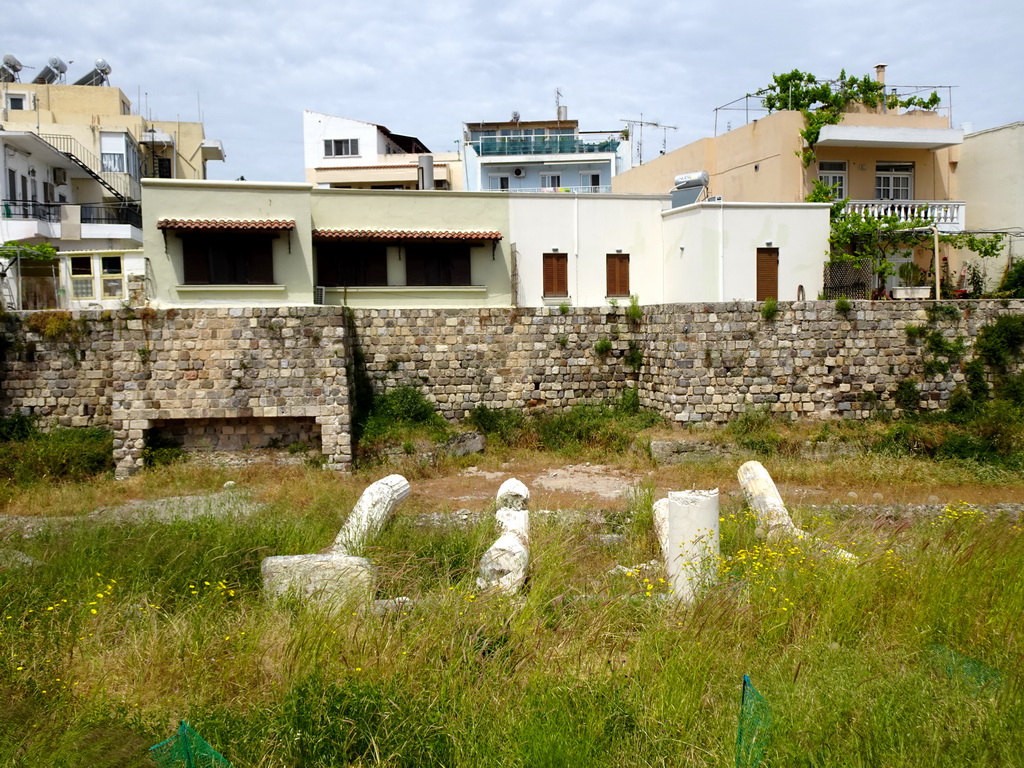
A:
[637,126]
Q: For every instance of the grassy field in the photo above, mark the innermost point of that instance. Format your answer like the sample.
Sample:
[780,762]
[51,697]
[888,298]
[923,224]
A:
[913,657]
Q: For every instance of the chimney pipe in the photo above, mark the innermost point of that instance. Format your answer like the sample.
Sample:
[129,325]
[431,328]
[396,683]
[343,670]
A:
[880,73]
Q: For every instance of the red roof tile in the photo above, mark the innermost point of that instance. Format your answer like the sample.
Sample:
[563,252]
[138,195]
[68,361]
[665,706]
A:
[220,224]
[405,234]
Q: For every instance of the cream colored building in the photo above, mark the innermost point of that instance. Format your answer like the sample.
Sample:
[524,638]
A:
[280,244]
[989,177]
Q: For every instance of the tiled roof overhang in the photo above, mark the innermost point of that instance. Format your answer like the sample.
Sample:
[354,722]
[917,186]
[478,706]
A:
[391,235]
[257,225]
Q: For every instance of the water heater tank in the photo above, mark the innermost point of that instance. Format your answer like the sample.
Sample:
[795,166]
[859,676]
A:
[690,180]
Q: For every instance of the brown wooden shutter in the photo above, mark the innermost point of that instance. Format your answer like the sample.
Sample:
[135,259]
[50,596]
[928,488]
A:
[460,265]
[767,274]
[195,260]
[617,274]
[556,277]
[415,266]
[260,259]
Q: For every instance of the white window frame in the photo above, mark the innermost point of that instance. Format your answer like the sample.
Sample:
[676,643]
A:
[82,280]
[546,181]
[587,179]
[894,181]
[341,147]
[497,179]
[832,173]
[111,277]
[25,97]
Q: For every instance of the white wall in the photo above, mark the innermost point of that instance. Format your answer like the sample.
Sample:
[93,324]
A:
[316,127]
[713,267]
[587,228]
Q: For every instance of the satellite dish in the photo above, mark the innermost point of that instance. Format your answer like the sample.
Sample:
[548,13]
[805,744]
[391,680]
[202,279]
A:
[515,116]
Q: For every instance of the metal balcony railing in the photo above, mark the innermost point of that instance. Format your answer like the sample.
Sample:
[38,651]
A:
[121,184]
[587,189]
[29,209]
[539,145]
[947,215]
[112,213]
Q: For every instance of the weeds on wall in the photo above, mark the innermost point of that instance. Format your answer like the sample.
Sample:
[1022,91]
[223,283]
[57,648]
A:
[770,309]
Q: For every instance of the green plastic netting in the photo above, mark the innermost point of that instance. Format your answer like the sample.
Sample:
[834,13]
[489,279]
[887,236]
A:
[972,672]
[755,726]
[187,749]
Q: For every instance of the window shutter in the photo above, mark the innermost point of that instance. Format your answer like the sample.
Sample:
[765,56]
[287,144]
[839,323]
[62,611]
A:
[556,278]
[617,274]
[460,261]
[415,267]
[260,260]
[767,274]
[195,261]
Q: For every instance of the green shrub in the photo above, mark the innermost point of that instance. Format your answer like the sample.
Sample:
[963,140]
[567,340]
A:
[508,425]
[1013,281]
[756,430]
[63,454]
[977,384]
[634,358]
[999,343]
[843,306]
[770,309]
[915,332]
[634,314]
[937,312]
[398,410]
[563,308]
[907,396]
[629,401]
[602,347]
[17,426]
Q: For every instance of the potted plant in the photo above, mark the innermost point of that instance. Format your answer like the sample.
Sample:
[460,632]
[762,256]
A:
[915,282]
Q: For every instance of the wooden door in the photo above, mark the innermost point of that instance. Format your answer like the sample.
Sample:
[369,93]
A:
[767,274]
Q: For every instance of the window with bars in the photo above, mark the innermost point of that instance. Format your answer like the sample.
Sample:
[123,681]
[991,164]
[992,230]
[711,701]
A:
[341,147]
[617,273]
[556,275]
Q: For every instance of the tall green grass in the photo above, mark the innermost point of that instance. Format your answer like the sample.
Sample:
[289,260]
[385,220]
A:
[590,666]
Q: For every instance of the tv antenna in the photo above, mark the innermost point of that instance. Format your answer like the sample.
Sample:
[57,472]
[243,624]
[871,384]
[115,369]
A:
[637,126]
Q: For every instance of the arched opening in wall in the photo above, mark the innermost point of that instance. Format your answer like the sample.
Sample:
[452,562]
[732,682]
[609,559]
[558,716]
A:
[285,439]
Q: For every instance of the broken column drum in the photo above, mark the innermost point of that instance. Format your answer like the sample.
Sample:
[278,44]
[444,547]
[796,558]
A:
[503,567]
[338,575]
[687,524]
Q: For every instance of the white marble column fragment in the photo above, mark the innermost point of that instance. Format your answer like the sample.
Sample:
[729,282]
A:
[337,576]
[687,525]
[773,520]
[503,567]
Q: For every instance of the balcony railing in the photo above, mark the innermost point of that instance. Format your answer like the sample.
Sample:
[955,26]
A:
[947,215]
[589,189]
[112,213]
[29,209]
[539,145]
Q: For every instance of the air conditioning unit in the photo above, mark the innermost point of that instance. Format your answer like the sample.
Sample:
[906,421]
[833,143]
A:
[60,177]
[319,294]
[519,173]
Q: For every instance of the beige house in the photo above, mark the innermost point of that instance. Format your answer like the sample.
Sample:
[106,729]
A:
[989,177]
[886,161]
[72,158]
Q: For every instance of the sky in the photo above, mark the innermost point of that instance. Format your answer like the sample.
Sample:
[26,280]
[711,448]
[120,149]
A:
[248,70]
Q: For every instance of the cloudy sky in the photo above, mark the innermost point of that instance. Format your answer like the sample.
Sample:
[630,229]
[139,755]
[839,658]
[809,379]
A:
[422,68]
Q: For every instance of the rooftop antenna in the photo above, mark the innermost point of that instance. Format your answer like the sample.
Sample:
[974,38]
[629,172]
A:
[639,126]
[561,112]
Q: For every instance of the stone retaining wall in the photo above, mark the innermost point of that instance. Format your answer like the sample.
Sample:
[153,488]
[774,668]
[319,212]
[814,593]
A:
[255,376]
